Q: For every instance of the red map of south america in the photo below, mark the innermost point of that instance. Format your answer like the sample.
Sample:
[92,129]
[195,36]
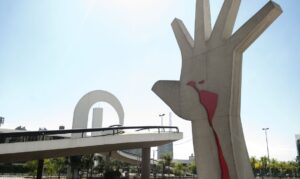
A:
[210,101]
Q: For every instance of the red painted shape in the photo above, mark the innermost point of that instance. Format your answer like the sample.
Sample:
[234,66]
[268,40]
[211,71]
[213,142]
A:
[222,161]
[210,100]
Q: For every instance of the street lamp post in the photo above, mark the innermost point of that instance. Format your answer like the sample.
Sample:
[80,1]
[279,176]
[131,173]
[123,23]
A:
[266,134]
[162,118]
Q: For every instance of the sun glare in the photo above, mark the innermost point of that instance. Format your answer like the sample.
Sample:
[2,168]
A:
[136,8]
[135,5]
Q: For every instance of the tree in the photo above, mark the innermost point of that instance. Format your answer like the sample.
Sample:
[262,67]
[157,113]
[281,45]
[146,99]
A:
[59,164]
[32,167]
[257,166]
[179,169]
[99,164]
[264,162]
[49,167]
[192,168]
[165,161]
[276,168]
[253,161]
[87,164]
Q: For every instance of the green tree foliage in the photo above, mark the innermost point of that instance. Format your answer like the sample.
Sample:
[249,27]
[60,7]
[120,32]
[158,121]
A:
[179,169]
[32,167]
[60,165]
[165,164]
[49,168]
[275,168]
[112,168]
[87,164]
[192,168]
[54,166]
[100,164]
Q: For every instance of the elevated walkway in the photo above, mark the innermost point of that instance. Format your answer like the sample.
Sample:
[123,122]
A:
[117,139]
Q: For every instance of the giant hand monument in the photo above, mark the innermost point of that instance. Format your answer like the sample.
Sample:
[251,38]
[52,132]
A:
[209,91]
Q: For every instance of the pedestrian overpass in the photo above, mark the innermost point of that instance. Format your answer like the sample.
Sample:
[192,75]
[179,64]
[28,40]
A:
[37,145]
[114,139]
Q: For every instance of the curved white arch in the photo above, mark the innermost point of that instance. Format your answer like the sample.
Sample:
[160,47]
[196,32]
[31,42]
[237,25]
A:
[81,112]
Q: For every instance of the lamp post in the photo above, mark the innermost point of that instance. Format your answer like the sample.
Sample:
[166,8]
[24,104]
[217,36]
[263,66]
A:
[162,118]
[266,130]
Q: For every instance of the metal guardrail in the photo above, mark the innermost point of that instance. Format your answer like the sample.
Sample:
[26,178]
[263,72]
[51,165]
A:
[115,130]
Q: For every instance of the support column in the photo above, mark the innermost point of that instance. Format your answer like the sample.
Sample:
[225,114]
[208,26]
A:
[146,163]
[39,174]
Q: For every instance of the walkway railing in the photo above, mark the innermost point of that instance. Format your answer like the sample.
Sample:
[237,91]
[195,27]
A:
[25,136]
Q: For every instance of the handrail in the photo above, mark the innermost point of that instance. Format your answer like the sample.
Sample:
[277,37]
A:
[68,131]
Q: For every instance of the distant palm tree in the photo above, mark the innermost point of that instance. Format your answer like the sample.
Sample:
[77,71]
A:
[264,161]
[166,161]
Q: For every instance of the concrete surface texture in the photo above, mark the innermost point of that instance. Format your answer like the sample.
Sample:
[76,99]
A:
[209,91]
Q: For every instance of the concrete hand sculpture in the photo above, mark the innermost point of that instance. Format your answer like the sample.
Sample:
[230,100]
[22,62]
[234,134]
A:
[208,93]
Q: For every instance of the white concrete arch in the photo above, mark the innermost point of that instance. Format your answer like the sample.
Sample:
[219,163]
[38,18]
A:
[81,112]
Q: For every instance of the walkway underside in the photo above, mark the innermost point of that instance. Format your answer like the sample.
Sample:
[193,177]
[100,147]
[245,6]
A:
[24,151]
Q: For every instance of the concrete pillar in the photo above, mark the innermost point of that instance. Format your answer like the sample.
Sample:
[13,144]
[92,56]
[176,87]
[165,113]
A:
[39,174]
[73,168]
[146,163]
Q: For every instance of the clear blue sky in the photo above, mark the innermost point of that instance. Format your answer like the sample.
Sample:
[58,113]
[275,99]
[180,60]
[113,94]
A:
[52,52]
